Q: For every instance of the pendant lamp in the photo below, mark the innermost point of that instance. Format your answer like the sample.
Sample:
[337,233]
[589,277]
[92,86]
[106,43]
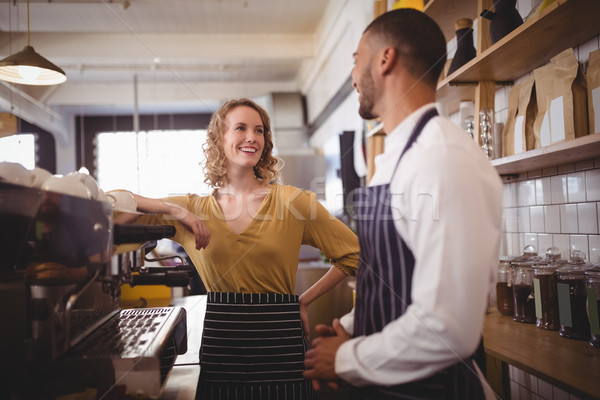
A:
[29,68]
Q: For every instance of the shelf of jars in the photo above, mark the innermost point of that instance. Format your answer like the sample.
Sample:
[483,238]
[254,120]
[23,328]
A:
[579,149]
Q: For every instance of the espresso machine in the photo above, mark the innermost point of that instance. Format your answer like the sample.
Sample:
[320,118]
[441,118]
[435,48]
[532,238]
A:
[62,264]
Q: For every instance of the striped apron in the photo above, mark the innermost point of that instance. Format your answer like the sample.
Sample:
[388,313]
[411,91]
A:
[253,347]
[383,293]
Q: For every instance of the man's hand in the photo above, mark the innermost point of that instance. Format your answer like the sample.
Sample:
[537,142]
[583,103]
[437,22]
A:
[320,360]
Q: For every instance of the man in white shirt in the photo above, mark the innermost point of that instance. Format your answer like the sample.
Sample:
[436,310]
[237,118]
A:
[429,228]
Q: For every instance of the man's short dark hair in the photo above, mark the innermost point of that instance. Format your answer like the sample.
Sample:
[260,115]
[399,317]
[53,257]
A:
[417,38]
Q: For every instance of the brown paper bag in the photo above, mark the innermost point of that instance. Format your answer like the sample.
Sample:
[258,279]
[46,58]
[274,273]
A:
[562,100]
[517,135]
[593,87]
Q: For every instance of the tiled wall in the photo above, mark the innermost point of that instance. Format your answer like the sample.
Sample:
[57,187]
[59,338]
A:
[557,206]
[524,386]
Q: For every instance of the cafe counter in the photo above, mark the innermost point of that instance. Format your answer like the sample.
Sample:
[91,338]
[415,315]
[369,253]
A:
[571,365]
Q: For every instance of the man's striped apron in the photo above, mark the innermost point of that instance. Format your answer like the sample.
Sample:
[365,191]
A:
[383,292]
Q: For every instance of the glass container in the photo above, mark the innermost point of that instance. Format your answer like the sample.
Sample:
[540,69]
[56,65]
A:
[522,283]
[544,286]
[572,297]
[592,276]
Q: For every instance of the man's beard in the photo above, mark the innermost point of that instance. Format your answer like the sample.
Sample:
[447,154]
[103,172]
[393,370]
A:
[367,94]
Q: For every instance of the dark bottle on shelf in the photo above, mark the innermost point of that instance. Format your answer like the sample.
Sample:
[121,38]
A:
[465,51]
[505,19]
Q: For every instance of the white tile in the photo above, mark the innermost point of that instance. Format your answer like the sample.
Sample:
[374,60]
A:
[568,218]
[552,219]
[543,191]
[500,101]
[594,247]
[576,187]
[544,242]
[510,218]
[558,184]
[562,242]
[592,184]
[524,223]
[536,216]
[505,244]
[587,216]
[559,394]
[525,394]
[514,390]
[530,239]
[526,193]
[510,195]
[532,383]
[519,375]
[586,48]
[517,244]
[580,242]
[501,115]
[544,389]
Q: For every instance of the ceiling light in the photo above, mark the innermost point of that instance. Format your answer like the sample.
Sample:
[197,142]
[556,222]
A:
[29,68]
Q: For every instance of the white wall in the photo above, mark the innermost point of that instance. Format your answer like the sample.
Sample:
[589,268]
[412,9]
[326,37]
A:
[337,39]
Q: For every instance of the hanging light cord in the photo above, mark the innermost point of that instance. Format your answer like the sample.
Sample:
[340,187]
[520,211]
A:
[27,22]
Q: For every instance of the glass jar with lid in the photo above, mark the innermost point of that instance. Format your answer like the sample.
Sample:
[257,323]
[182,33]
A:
[592,276]
[544,287]
[522,283]
[504,292]
[572,297]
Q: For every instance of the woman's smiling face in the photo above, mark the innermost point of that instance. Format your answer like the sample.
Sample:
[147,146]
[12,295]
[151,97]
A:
[243,141]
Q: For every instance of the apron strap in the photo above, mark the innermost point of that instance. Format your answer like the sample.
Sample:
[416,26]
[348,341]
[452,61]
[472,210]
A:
[416,132]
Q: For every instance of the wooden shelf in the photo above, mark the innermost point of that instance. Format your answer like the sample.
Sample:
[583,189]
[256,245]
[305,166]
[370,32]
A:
[579,149]
[445,13]
[572,365]
[563,24]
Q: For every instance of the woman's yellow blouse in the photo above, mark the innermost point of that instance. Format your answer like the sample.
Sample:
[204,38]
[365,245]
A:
[264,257]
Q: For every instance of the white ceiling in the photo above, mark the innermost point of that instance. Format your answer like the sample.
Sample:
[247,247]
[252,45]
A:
[183,54]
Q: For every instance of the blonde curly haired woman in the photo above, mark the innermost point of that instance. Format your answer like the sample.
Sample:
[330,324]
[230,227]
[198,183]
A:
[244,239]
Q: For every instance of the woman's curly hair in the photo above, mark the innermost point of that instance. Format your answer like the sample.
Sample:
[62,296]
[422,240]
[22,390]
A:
[215,170]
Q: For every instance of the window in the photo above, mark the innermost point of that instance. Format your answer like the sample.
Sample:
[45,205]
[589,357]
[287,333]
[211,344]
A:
[156,163]
[19,149]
